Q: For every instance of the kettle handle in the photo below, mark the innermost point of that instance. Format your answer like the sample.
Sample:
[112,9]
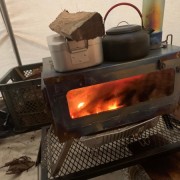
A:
[127,4]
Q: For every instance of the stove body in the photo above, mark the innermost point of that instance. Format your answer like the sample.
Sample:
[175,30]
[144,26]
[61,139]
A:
[148,87]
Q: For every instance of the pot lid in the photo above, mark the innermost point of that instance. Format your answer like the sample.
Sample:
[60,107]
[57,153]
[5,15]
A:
[123,29]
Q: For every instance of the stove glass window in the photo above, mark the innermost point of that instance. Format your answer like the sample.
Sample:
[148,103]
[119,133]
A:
[121,93]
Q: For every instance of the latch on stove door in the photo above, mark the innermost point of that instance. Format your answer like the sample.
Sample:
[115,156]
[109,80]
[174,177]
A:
[161,64]
[78,51]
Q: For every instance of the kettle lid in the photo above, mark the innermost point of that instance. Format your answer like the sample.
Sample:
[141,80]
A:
[123,29]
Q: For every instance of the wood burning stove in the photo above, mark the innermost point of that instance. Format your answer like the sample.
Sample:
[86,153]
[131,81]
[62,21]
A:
[112,95]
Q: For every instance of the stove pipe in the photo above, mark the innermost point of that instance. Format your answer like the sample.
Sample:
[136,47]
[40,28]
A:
[153,13]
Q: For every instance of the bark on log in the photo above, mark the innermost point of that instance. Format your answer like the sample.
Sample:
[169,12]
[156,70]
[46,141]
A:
[78,26]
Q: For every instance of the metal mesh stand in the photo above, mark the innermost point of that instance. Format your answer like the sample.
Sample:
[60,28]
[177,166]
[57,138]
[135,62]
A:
[84,162]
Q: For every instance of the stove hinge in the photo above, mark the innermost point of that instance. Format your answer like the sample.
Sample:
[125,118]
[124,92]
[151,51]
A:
[178,69]
[161,64]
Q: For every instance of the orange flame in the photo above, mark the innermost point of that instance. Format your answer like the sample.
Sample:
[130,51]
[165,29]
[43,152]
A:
[97,98]
[113,106]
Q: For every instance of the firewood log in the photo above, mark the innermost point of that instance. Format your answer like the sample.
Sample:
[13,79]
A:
[78,26]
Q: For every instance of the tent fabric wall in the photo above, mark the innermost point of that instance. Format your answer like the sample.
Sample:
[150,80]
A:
[30,20]
[7,57]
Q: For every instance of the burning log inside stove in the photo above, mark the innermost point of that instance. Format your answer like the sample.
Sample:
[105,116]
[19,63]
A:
[120,93]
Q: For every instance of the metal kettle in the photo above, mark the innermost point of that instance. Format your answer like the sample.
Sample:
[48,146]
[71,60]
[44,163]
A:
[127,42]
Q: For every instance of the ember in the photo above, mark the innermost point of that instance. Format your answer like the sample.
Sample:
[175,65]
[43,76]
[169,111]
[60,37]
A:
[80,105]
[120,93]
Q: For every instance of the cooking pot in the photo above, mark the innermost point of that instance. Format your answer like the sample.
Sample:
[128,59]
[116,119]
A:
[125,42]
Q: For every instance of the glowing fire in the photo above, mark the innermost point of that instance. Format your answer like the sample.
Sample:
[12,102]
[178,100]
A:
[80,105]
[113,106]
[120,93]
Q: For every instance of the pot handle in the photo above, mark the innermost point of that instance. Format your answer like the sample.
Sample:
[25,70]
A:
[127,4]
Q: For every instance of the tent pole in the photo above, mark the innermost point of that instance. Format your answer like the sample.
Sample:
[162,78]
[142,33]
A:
[7,23]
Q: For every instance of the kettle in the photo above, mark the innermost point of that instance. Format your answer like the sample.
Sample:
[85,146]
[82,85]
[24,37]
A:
[126,42]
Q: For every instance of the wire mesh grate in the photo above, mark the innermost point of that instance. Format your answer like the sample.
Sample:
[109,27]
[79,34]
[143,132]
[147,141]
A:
[27,73]
[80,157]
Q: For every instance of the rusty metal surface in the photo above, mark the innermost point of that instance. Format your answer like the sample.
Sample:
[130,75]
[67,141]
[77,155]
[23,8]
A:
[57,86]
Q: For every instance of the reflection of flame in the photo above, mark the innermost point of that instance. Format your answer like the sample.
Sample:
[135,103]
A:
[154,18]
[120,93]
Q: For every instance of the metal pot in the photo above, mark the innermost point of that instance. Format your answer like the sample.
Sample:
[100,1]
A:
[127,42]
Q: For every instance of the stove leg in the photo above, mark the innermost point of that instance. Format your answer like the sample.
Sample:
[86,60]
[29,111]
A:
[56,167]
[167,120]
